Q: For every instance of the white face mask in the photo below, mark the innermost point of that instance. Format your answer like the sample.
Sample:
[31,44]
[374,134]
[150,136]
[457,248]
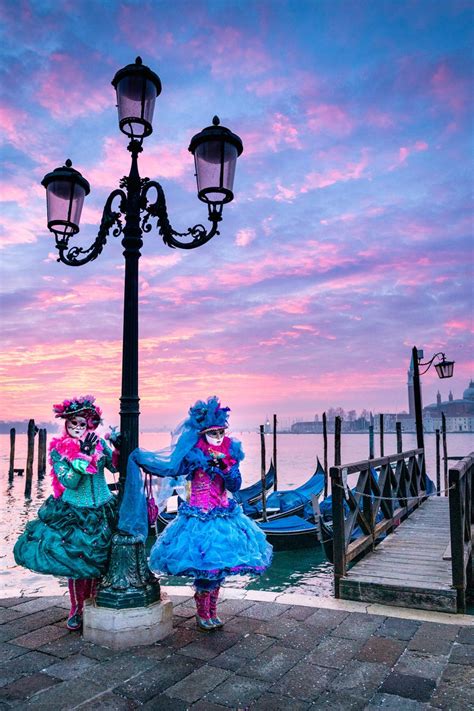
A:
[215,437]
[76,427]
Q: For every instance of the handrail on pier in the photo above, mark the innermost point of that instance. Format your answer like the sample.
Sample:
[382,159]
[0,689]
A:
[461,518]
[377,504]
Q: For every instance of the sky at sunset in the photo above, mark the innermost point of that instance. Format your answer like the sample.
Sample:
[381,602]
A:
[349,239]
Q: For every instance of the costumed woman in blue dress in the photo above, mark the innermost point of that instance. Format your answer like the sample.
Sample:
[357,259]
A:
[211,538]
[72,535]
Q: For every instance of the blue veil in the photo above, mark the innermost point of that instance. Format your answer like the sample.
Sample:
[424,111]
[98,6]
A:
[166,464]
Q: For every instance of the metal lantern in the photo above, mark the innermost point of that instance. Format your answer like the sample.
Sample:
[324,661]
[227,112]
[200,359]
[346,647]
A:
[215,151]
[66,189]
[137,87]
[445,368]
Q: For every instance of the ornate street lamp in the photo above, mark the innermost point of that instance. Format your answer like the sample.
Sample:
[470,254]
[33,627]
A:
[131,210]
[444,368]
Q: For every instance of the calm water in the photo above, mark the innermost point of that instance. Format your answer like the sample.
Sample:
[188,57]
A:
[307,572]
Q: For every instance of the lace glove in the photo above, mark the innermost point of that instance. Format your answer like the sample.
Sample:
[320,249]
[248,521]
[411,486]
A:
[88,444]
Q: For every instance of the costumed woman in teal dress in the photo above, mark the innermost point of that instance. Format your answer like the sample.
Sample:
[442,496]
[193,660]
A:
[71,536]
[210,538]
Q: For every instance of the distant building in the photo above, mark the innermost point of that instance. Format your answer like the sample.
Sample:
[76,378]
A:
[462,408]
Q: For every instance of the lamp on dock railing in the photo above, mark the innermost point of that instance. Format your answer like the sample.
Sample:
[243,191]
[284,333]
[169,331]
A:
[129,211]
[444,368]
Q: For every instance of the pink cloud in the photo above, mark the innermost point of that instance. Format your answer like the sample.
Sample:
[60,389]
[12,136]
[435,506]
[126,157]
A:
[329,118]
[245,236]
[405,151]
[449,89]
[458,325]
[351,171]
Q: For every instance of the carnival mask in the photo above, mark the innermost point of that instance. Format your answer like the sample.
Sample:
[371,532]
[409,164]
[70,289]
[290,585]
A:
[76,426]
[215,437]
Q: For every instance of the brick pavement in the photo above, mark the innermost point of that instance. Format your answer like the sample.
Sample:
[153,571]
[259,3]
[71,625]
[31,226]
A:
[270,655]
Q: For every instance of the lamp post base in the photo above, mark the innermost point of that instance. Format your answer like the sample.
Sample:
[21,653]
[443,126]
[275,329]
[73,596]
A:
[126,628]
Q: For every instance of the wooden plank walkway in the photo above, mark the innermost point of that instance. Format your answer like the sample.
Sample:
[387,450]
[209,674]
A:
[410,567]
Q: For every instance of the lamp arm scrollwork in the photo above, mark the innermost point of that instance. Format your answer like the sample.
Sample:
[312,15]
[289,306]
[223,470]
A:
[77,256]
[198,235]
[429,363]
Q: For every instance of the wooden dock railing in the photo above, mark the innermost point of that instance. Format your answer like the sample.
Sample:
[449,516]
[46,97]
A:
[461,518]
[377,505]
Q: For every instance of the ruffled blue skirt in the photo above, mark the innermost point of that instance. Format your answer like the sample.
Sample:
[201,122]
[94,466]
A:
[211,545]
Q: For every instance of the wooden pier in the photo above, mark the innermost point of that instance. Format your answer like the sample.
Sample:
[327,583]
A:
[411,567]
[412,550]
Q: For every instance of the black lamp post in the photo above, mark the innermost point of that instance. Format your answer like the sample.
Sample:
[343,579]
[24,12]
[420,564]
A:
[138,202]
[444,368]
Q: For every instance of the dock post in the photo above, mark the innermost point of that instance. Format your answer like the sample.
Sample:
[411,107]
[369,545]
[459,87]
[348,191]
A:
[398,427]
[325,454]
[339,545]
[438,465]
[263,472]
[11,470]
[371,442]
[41,453]
[337,441]
[381,435]
[275,486]
[29,457]
[445,452]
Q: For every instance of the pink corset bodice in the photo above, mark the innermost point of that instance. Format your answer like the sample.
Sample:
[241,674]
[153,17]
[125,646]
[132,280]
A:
[207,493]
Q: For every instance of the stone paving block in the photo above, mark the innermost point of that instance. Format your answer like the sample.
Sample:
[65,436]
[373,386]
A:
[227,660]
[7,614]
[209,644]
[241,625]
[184,610]
[197,684]
[155,680]
[13,601]
[455,690]
[358,626]
[263,611]
[291,634]
[10,651]
[112,702]
[339,701]
[96,651]
[429,666]
[180,637]
[156,652]
[274,702]
[40,637]
[26,686]
[71,643]
[36,604]
[381,649]
[72,667]
[305,681]
[361,679]
[300,612]
[434,638]
[29,623]
[202,705]
[462,654]
[409,686]
[237,692]
[163,702]
[271,664]
[334,652]
[327,619]
[234,607]
[466,635]
[63,696]
[118,669]
[28,663]
[251,645]
[398,628]
[391,702]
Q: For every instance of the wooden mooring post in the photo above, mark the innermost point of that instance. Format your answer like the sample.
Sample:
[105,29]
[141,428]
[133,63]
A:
[275,486]
[337,441]
[371,442]
[263,471]
[325,454]
[445,453]
[438,465]
[398,428]
[11,470]
[381,434]
[32,429]
[41,453]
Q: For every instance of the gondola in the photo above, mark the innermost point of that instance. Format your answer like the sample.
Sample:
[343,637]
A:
[290,532]
[282,504]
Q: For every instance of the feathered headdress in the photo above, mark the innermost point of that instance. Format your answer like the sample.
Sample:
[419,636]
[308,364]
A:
[83,406]
[208,415]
